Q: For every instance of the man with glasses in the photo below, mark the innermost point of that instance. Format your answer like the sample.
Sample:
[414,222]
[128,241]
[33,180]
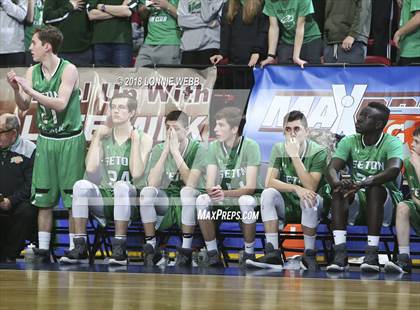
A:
[293,179]
[117,157]
[17,215]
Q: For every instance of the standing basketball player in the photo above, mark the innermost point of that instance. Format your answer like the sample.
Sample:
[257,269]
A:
[54,84]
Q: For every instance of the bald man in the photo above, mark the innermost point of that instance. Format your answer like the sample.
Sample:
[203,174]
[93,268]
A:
[17,215]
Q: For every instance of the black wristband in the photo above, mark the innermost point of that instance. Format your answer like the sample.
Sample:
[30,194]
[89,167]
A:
[271,55]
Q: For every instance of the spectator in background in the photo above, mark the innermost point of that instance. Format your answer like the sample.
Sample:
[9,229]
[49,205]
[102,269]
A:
[380,25]
[200,24]
[33,21]
[17,215]
[319,15]
[300,40]
[346,31]
[12,45]
[163,34]
[243,37]
[407,37]
[72,20]
[112,34]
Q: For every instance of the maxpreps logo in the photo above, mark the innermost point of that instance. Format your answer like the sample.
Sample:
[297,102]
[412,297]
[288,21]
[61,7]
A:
[336,111]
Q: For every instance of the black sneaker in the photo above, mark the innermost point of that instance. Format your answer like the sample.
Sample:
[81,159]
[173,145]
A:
[271,259]
[402,265]
[214,259]
[340,261]
[308,261]
[152,256]
[371,260]
[41,256]
[243,256]
[78,255]
[119,252]
[183,257]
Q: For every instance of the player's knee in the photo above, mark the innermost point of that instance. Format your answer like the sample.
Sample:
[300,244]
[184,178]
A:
[81,187]
[403,210]
[247,205]
[203,202]
[188,196]
[189,213]
[268,196]
[310,217]
[148,195]
[268,208]
[121,188]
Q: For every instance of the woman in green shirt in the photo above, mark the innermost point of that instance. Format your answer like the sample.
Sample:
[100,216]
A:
[300,40]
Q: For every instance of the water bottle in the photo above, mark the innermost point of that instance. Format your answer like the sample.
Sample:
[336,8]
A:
[29,253]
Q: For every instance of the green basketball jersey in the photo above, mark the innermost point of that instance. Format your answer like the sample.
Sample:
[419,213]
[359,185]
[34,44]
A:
[233,163]
[194,157]
[50,121]
[314,159]
[365,160]
[411,177]
[115,162]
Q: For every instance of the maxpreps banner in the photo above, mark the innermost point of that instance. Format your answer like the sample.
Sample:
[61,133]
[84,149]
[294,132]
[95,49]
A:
[331,98]
[158,92]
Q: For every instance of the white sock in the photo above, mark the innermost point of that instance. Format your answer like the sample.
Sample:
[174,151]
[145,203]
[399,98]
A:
[339,236]
[249,247]
[309,242]
[123,237]
[151,240]
[187,241]
[373,240]
[404,250]
[273,238]
[71,243]
[211,245]
[44,239]
[84,236]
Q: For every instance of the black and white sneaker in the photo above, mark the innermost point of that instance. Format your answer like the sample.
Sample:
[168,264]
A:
[308,261]
[340,261]
[183,257]
[153,256]
[371,260]
[78,255]
[243,257]
[402,265]
[271,259]
[119,252]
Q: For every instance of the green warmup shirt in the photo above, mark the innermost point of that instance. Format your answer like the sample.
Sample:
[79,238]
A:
[162,27]
[411,177]
[287,13]
[113,30]
[194,157]
[410,43]
[370,160]
[50,121]
[232,164]
[314,159]
[115,163]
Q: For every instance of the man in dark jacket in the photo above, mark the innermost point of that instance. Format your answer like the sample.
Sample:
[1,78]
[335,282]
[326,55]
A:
[17,215]
[72,19]
[346,31]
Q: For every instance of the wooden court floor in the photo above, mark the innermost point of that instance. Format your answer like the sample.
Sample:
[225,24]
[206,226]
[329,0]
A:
[32,289]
